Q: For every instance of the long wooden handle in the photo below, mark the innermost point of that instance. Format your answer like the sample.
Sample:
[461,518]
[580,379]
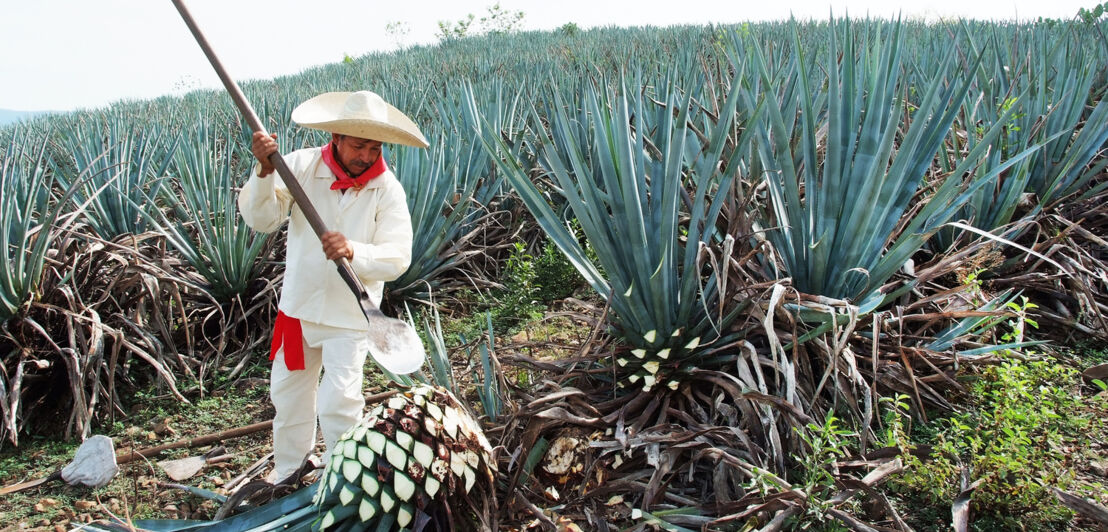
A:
[278,162]
[131,455]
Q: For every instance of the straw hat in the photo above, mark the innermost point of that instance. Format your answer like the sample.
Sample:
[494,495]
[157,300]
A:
[361,114]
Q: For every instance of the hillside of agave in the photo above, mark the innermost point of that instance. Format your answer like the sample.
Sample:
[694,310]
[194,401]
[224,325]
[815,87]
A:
[786,224]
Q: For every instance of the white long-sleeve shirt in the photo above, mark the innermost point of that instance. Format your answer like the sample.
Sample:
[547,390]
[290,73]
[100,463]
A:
[375,220]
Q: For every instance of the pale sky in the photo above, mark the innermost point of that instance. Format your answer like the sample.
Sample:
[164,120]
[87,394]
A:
[68,54]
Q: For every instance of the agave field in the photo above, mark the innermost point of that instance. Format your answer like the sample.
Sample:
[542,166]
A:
[830,274]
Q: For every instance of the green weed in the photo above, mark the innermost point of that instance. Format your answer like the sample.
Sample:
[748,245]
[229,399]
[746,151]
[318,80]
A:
[555,277]
[1022,436]
[826,444]
[897,422]
[529,284]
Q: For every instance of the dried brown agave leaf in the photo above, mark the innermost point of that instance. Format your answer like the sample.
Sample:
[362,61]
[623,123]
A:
[1082,506]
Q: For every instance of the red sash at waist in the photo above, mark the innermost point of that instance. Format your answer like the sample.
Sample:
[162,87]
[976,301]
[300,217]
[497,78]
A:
[287,332]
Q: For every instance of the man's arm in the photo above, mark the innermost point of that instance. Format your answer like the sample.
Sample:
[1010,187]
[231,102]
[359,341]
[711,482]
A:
[263,202]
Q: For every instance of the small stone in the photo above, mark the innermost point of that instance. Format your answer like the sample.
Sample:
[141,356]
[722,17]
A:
[163,428]
[44,504]
[1099,468]
[84,505]
[94,464]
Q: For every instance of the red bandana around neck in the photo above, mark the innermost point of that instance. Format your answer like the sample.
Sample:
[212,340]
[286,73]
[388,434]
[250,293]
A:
[344,180]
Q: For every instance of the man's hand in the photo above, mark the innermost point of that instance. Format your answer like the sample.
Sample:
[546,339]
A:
[335,245]
[263,147]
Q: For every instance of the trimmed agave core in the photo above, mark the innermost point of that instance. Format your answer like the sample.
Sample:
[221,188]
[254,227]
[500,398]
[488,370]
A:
[409,460]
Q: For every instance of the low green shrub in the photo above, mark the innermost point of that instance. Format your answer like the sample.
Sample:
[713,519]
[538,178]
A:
[556,278]
[1023,435]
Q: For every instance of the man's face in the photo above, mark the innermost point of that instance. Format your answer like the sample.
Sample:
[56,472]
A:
[356,154]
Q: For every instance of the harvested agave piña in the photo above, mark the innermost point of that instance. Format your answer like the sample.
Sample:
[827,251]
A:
[408,464]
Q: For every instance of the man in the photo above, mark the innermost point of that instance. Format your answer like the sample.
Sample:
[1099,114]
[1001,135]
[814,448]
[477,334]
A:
[320,324]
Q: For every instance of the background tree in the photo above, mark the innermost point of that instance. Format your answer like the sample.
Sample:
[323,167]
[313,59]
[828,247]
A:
[398,31]
[497,21]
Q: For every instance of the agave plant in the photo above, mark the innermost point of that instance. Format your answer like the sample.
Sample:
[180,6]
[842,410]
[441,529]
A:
[453,192]
[86,283]
[440,184]
[201,219]
[1057,114]
[837,201]
[123,163]
[631,172]
[993,206]
[405,463]
[27,214]
[1039,104]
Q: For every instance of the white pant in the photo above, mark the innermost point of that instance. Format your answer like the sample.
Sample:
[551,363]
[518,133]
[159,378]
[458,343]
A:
[339,402]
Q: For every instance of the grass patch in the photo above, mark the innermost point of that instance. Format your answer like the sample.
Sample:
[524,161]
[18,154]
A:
[1032,426]
[155,419]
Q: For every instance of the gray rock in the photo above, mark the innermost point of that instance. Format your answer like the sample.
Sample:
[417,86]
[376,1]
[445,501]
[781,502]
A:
[1099,468]
[94,465]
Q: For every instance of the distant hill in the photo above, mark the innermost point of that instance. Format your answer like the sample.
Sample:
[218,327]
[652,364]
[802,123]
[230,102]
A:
[8,116]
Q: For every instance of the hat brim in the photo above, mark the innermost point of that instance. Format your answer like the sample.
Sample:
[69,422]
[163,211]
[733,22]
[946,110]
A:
[324,112]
